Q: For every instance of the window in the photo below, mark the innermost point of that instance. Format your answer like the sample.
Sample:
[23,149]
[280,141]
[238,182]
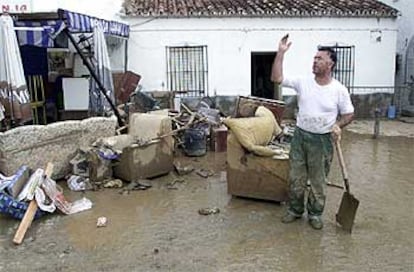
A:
[187,70]
[345,64]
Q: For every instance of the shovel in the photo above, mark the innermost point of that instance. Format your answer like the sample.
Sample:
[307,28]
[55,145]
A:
[349,204]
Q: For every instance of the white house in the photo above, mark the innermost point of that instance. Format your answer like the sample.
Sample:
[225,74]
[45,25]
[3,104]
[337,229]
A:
[405,41]
[227,47]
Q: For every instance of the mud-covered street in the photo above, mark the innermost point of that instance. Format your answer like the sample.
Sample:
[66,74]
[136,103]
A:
[160,229]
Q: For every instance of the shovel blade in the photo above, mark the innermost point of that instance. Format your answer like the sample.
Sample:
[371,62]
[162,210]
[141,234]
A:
[347,211]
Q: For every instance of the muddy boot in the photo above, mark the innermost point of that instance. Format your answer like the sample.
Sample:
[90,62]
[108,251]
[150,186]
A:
[290,217]
[316,223]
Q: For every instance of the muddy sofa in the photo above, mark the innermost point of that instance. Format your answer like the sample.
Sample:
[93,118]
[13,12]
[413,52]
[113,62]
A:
[141,162]
[253,176]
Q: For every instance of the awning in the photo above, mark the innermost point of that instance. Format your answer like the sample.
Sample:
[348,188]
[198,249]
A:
[38,33]
[34,31]
[38,29]
[79,23]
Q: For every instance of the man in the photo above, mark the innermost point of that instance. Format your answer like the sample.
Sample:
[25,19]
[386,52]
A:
[321,99]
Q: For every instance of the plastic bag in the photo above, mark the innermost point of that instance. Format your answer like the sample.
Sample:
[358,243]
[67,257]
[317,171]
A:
[34,182]
[55,193]
[43,202]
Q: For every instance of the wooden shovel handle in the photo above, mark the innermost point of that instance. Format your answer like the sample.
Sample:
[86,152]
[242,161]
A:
[342,164]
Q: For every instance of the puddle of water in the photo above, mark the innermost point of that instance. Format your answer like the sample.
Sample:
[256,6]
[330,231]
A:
[160,229]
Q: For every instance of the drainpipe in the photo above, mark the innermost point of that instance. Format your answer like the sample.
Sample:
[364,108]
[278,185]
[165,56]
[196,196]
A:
[91,70]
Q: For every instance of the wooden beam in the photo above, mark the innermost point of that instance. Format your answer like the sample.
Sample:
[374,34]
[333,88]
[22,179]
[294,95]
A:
[30,213]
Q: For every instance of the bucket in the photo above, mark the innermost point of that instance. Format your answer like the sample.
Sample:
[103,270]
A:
[195,143]
[391,112]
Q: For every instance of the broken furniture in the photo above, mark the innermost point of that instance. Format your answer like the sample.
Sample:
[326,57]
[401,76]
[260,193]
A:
[246,106]
[252,171]
[125,84]
[145,152]
[249,175]
[36,88]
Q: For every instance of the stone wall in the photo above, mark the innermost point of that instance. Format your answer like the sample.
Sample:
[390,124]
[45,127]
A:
[37,145]
[365,104]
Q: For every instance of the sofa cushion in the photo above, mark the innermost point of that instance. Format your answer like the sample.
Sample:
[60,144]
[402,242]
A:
[254,133]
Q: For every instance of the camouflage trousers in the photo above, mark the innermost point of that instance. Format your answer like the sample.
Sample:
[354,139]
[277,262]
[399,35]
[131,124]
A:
[310,160]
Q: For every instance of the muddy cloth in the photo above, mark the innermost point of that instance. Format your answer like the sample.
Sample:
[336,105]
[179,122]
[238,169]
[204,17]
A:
[310,159]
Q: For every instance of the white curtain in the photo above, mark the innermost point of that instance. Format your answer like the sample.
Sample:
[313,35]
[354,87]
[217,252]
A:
[98,103]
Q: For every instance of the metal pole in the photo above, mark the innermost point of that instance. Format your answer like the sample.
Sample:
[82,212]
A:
[94,75]
[377,123]
[126,56]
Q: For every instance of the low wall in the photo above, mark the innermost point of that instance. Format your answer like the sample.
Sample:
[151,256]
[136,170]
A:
[365,104]
[37,145]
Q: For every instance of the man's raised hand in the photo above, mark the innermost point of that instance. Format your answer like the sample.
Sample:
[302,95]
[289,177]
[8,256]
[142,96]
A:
[284,44]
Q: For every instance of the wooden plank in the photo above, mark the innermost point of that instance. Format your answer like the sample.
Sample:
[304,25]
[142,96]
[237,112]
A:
[30,213]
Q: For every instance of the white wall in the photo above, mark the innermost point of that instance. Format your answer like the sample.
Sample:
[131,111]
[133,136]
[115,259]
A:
[405,34]
[231,41]
[405,21]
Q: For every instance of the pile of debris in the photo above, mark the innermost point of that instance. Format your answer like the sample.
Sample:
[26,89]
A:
[153,135]
[143,149]
[30,194]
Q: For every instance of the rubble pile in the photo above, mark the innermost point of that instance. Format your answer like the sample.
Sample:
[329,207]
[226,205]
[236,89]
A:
[93,155]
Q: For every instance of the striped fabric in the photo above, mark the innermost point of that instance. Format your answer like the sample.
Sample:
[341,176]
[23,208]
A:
[38,33]
[78,22]
[14,208]
[42,33]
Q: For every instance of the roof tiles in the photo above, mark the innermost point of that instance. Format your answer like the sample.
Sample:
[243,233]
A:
[258,8]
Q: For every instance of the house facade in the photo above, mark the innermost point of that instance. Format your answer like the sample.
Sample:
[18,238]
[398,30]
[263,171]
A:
[405,41]
[227,47]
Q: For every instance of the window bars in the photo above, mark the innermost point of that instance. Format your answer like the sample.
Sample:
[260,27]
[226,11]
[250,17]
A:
[345,65]
[187,70]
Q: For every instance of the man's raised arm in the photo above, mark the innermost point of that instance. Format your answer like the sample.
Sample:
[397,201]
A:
[277,68]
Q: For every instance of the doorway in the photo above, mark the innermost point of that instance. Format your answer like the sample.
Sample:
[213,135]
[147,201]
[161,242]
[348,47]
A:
[261,67]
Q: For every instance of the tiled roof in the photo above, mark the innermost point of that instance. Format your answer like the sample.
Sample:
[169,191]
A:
[258,8]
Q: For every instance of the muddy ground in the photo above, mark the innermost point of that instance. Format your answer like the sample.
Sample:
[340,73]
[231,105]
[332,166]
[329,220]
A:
[160,229]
